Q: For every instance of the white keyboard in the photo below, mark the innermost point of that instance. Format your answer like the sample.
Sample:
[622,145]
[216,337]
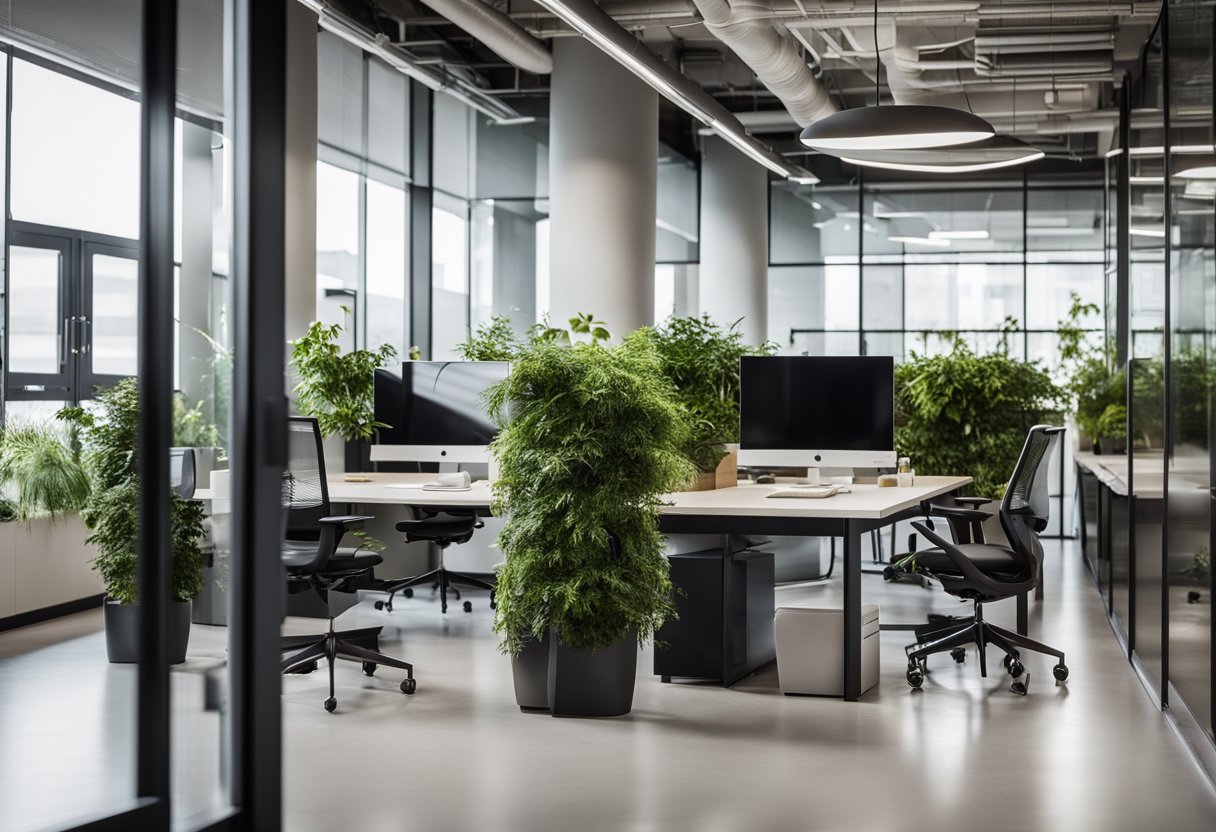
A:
[814,492]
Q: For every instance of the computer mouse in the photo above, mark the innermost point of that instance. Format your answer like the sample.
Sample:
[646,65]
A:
[765,479]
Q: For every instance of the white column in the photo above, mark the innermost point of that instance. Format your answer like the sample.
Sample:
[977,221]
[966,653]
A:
[300,237]
[734,239]
[603,171]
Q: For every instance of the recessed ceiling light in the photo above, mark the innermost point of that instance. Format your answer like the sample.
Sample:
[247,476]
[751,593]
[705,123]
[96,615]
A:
[920,241]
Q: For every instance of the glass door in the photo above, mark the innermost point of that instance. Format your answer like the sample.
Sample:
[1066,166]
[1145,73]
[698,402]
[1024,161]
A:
[40,321]
[107,320]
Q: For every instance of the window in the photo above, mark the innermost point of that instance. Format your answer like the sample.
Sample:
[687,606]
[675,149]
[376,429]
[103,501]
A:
[338,264]
[76,152]
[387,276]
[449,276]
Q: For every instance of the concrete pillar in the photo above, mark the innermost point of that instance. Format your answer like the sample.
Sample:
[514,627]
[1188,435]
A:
[603,171]
[734,239]
[300,160]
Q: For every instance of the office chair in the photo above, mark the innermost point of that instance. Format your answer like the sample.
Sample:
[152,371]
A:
[984,572]
[182,477]
[313,560]
[443,528]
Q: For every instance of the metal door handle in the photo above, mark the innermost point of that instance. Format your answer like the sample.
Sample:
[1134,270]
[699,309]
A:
[86,337]
[64,335]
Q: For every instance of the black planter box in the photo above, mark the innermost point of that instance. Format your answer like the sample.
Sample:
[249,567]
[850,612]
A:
[122,632]
[530,671]
[592,683]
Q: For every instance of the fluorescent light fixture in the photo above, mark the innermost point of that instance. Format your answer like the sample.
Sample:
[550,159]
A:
[1146,180]
[895,127]
[920,241]
[805,180]
[1201,172]
[978,234]
[630,60]
[1183,149]
[1050,231]
[509,122]
[898,215]
[1147,231]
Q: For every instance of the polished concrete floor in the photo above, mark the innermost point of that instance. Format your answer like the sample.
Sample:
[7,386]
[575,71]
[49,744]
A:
[963,754]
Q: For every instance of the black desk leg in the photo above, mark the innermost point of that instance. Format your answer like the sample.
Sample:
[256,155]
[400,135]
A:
[852,611]
[728,657]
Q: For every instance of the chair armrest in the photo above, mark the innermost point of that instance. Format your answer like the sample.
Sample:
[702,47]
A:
[332,530]
[967,514]
[346,521]
[964,564]
[974,502]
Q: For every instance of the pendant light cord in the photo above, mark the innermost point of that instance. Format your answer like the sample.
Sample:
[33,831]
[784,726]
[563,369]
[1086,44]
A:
[877,60]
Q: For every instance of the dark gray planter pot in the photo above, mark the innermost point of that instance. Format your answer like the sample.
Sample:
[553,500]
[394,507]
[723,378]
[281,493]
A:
[122,632]
[592,683]
[530,670]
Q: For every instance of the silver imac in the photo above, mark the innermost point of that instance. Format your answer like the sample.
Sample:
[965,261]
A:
[435,411]
[817,412]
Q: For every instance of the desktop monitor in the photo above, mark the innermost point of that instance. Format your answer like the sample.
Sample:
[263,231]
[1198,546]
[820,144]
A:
[817,411]
[436,411]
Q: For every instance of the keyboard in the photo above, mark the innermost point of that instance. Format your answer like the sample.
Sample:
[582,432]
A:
[814,492]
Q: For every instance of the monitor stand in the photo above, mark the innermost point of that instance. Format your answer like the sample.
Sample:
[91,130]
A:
[828,476]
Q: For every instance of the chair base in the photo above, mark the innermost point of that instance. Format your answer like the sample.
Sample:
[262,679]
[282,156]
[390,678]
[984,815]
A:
[331,647]
[444,581]
[957,634]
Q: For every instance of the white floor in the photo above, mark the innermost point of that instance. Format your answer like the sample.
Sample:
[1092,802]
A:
[963,754]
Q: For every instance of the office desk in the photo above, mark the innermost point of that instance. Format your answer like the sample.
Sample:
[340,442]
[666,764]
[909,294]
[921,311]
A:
[743,510]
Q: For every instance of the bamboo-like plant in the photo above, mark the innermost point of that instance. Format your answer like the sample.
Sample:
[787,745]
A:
[336,388]
[110,438]
[594,439]
[701,358]
[44,470]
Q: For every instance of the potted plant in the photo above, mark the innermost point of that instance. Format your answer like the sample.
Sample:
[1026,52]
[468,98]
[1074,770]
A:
[111,513]
[701,359]
[593,441]
[338,389]
[44,471]
[191,429]
[962,413]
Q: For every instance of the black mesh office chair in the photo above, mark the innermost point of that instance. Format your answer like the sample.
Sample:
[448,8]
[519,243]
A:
[443,528]
[313,560]
[182,478]
[983,572]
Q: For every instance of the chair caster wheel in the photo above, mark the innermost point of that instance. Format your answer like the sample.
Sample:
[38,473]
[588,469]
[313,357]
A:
[915,676]
[888,574]
[369,668]
[468,606]
[959,655]
[1009,657]
[1015,668]
[1060,671]
[1018,687]
[331,704]
[408,686]
[408,592]
[1193,597]
[379,605]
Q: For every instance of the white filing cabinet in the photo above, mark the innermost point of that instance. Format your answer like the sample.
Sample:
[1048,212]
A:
[810,650]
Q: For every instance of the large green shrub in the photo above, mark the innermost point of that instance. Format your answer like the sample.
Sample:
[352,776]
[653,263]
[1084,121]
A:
[1094,388]
[110,438]
[594,439]
[962,413]
[40,465]
[701,358]
[337,389]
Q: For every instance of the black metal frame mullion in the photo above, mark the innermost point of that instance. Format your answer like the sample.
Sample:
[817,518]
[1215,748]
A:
[258,418]
[1167,353]
[420,206]
[155,331]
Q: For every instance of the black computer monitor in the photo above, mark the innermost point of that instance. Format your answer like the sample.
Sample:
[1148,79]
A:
[817,411]
[435,410]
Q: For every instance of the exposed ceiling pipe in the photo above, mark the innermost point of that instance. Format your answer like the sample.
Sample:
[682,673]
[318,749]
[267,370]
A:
[743,26]
[435,78]
[500,34]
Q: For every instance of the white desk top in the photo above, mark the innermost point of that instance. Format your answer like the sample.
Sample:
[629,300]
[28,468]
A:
[865,502]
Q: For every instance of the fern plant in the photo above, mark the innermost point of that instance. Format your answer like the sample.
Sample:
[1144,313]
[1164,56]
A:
[338,389]
[594,439]
[701,359]
[39,463]
[111,513]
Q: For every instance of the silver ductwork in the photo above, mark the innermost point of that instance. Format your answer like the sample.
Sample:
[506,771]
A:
[744,26]
[500,34]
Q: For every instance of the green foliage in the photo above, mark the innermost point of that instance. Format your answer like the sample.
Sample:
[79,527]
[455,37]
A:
[701,358]
[1091,383]
[336,389]
[492,341]
[1112,424]
[46,472]
[9,512]
[583,329]
[1200,568]
[594,439]
[110,439]
[190,427]
[962,413]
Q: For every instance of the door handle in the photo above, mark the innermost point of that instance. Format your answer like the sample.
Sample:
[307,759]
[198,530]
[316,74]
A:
[65,335]
[86,337]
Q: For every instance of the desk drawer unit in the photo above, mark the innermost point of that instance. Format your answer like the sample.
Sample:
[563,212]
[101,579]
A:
[810,650]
